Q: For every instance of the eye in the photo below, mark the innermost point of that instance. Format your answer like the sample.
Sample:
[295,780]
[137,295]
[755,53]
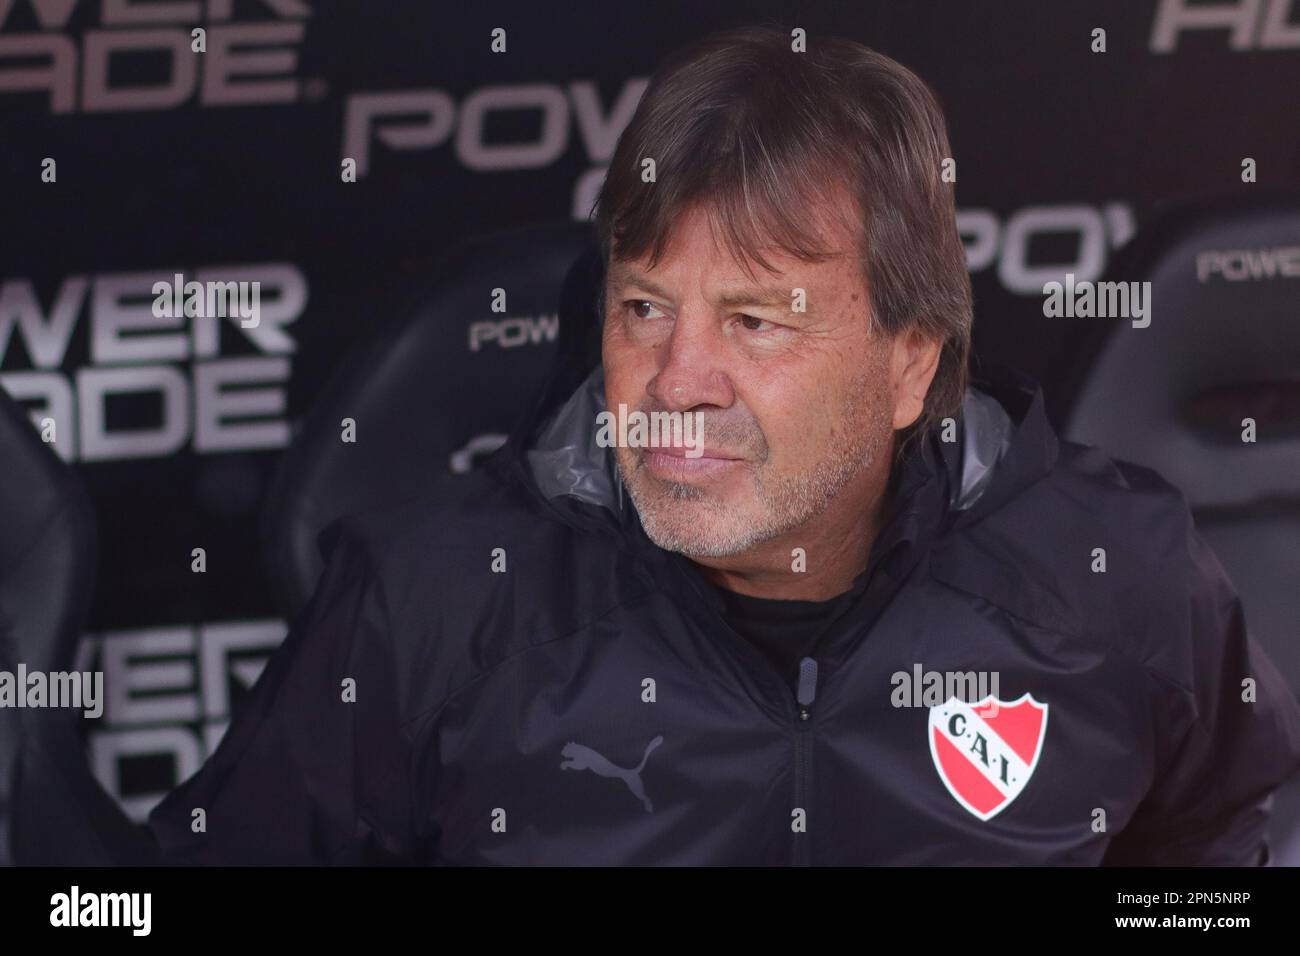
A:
[752,323]
[635,304]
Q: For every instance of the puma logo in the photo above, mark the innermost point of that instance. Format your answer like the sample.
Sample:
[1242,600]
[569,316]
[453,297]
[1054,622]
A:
[580,757]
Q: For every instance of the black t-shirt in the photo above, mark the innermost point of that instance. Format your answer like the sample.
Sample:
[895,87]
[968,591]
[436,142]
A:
[786,631]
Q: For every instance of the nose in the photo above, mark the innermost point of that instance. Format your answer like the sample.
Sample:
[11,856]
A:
[690,374]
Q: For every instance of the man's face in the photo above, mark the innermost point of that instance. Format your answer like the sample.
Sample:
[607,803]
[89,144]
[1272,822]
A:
[798,407]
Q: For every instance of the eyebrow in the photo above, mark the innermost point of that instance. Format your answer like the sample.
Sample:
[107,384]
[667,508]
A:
[621,275]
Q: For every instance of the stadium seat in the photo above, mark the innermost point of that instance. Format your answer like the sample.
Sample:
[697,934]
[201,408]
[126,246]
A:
[1223,345]
[438,388]
[48,798]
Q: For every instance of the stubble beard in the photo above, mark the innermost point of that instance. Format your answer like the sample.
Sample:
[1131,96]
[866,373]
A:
[695,521]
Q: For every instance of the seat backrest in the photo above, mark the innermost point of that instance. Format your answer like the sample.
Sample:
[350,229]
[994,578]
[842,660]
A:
[1223,346]
[436,388]
[47,576]
[47,546]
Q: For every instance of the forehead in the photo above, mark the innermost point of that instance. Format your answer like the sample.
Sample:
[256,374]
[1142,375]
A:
[700,249]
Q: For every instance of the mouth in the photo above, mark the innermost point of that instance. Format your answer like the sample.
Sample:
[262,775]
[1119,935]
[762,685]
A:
[672,463]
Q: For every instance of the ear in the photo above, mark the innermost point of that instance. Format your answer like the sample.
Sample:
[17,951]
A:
[913,364]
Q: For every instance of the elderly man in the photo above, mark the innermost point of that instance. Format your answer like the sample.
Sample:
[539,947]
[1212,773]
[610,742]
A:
[858,617]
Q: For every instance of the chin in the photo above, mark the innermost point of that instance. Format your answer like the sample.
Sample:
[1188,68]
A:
[690,531]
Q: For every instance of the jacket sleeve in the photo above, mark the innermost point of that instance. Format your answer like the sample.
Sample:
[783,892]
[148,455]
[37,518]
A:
[313,769]
[1211,798]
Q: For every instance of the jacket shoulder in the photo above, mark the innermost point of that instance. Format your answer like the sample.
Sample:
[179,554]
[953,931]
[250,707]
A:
[1102,549]
[476,572]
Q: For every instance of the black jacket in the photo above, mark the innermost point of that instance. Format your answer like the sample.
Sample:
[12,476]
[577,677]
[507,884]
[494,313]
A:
[587,704]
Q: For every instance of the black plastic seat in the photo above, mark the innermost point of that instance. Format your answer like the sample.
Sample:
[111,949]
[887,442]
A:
[437,389]
[1223,345]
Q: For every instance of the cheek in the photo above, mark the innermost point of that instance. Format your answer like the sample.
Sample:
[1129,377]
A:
[794,415]
[627,370]
[802,423]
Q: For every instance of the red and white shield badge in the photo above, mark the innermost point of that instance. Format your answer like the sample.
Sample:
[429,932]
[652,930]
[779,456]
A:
[986,752]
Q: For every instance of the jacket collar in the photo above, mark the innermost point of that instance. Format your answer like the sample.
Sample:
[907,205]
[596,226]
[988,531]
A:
[1002,444]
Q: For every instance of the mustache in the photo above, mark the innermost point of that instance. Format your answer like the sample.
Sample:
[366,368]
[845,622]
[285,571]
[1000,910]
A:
[737,436]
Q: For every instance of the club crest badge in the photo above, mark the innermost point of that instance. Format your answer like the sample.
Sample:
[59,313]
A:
[986,752]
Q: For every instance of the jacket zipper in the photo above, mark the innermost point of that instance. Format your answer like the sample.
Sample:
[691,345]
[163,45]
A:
[806,693]
[800,711]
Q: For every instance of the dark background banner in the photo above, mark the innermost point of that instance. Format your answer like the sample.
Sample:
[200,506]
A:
[229,163]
